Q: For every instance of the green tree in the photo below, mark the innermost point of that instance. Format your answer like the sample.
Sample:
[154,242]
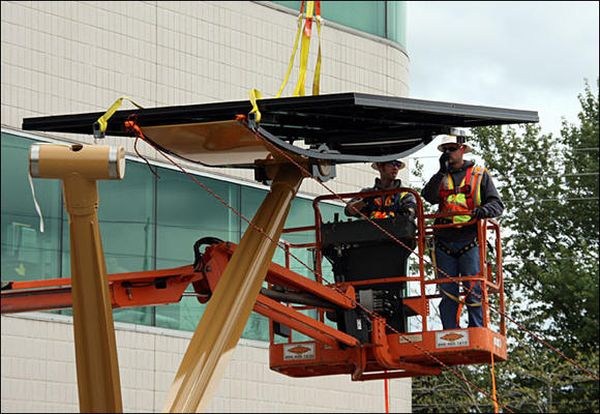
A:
[550,189]
[581,221]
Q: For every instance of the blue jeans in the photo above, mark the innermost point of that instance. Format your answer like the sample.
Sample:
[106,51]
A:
[465,265]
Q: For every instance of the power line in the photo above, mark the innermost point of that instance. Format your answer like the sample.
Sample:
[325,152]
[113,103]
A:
[548,260]
[550,199]
[483,404]
[591,149]
[542,176]
[558,175]
[542,200]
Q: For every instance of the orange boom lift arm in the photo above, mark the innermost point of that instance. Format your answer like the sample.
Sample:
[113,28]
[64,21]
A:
[386,353]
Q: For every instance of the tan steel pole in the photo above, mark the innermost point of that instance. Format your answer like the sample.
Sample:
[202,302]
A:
[79,167]
[229,308]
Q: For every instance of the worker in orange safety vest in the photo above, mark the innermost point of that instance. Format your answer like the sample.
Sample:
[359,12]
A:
[384,206]
[460,186]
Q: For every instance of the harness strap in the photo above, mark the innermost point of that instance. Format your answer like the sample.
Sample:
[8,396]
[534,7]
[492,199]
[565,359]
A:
[468,175]
[451,296]
[457,253]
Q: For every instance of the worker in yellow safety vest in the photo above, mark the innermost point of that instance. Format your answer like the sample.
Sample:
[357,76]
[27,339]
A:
[460,186]
[384,206]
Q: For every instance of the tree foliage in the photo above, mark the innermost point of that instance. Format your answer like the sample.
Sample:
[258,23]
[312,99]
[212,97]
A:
[550,189]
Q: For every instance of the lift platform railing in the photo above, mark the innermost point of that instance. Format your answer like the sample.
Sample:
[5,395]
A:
[391,353]
[490,276]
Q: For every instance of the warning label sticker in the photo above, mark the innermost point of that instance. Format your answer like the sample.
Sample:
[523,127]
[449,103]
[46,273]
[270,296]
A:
[451,339]
[497,342]
[294,352]
[406,339]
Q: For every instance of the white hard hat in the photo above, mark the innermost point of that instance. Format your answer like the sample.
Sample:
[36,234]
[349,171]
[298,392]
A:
[402,164]
[456,136]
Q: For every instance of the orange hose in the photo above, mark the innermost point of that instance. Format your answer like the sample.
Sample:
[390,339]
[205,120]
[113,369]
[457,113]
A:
[494,386]
[387,395]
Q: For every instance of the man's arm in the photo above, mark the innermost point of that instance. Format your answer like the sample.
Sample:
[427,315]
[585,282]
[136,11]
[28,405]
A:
[354,206]
[431,191]
[491,203]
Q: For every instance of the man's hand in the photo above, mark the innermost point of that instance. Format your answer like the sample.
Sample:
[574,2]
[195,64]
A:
[356,207]
[444,162]
[479,213]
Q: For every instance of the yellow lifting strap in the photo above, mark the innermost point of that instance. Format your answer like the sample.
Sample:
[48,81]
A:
[313,12]
[304,49]
[254,96]
[304,55]
[102,123]
[317,76]
[292,58]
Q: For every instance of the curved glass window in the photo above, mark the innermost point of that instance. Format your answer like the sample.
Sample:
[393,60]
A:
[27,253]
[381,18]
[146,223]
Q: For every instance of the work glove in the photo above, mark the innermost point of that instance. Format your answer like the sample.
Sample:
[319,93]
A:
[406,211]
[479,213]
[444,162]
[402,211]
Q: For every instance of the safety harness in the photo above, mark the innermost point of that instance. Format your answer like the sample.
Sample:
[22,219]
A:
[456,253]
[463,198]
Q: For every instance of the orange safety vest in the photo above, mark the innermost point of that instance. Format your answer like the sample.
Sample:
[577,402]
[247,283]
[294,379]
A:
[464,198]
[385,205]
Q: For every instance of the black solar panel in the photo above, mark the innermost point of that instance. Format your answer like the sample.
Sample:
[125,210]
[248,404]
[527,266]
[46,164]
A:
[351,126]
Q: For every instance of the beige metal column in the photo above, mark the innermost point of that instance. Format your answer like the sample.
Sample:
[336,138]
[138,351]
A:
[79,167]
[228,310]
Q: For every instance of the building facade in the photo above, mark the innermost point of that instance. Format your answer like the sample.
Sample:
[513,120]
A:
[74,57]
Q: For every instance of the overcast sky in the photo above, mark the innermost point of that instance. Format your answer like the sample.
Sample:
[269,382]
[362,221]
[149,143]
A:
[518,55]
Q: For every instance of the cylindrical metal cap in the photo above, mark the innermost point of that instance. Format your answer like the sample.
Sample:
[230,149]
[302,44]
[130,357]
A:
[90,161]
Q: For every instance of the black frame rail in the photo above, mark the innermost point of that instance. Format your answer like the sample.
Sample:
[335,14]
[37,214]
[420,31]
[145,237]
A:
[341,128]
